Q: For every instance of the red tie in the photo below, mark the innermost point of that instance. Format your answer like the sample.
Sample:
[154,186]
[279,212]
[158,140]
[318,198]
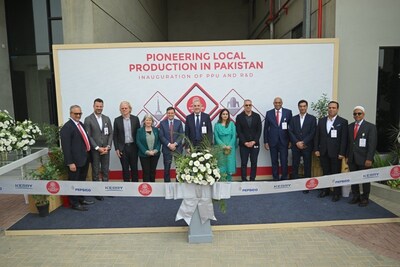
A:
[356,126]
[84,137]
[277,117]
[171,132]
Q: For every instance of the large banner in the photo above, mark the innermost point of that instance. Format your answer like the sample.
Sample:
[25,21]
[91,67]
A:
[154,76]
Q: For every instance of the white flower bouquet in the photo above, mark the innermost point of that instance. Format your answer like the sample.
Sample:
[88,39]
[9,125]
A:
[26,133]
[7,136]
[198,168]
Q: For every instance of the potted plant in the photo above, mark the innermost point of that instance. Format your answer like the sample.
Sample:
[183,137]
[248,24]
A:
[46,171]
[51,134]
[321,110]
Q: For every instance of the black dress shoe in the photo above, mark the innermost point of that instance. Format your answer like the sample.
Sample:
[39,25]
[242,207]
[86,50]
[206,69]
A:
[99,198]
[355,200]
[364,202]
[79,207]
[335,198]
[323,194]
[306,191]
[86,202]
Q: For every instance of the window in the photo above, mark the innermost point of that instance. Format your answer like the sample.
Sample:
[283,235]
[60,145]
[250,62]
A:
[387,106]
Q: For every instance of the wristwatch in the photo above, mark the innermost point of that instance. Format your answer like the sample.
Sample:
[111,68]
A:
[97,147]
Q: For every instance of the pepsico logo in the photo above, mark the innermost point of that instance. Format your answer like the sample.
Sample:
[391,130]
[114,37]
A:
[312,183]
[53,187]
[395,172]
[145,189]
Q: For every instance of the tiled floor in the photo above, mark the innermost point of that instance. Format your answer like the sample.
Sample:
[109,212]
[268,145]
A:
[350,245]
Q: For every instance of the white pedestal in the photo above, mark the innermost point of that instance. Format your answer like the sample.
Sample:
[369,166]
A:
[199,232]
[346,190]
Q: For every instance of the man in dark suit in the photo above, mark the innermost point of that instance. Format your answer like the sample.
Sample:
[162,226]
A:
[301,133]
[171,131]
[276,137]
[198,125]
[330,144]
[362,140]
[75,145]
[125,129]
[248,128]
[99,129]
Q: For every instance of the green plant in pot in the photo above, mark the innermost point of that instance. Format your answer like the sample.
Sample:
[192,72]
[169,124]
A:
[51,134]
[321,106]
[46,171]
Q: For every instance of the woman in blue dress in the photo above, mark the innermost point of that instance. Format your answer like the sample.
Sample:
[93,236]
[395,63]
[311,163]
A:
[225,136]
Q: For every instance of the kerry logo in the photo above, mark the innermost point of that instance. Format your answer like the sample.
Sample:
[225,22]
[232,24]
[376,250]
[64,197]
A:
[395,172]
[312,183]
[145,189]
[53,187]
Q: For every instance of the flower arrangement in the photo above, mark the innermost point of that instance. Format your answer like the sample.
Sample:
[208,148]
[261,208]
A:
[7,137]
[200,165]
[15,135]
[26,133]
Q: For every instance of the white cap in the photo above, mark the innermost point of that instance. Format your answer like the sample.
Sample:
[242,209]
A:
[360,108]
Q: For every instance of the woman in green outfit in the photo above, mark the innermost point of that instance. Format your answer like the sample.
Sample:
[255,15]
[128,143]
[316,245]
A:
[225,136]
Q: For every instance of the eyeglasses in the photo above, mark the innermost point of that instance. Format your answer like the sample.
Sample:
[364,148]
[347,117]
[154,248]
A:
[357,113]
[77,113]
[248,105]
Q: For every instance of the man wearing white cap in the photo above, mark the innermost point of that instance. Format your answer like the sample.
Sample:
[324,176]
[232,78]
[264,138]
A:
[362,140]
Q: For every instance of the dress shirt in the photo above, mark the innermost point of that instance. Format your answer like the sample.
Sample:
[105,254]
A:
[329,123]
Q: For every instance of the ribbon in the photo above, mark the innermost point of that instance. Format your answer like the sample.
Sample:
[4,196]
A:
[196,196]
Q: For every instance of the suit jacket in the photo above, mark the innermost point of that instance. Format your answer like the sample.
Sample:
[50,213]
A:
[190,127]
[73,145]
[97,136]
[165,136]
[325,144]
[119,132]
[305,133]
[357,154]
[141,141]
[248,133]
[273,133]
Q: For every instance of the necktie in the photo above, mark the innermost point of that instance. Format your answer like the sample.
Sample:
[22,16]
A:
[277,117]
[171,132]
[84,137]
[197,127]
[356,126]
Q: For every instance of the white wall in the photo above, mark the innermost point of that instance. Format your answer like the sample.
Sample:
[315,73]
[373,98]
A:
[362,26]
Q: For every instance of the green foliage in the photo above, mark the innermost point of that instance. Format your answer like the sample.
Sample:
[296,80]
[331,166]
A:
[321,106]
[51,134]
[46,171]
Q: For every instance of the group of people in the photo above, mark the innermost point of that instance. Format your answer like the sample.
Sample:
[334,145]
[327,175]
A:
[331,139]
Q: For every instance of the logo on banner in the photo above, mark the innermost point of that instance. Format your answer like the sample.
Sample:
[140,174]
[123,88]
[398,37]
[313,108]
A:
[23,186]
[282,186]
[312,183]
[78,189]
[53,187]
[341,181]
[145,189]
[113,188]
[371,175]
[250,190]
[395,172]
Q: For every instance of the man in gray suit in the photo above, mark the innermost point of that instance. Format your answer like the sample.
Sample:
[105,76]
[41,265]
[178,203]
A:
[361,147]
[99,129]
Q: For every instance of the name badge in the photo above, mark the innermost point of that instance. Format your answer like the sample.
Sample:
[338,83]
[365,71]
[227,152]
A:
[105,130]
[284,125]
[333,133]
[363,142]
[204,130]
